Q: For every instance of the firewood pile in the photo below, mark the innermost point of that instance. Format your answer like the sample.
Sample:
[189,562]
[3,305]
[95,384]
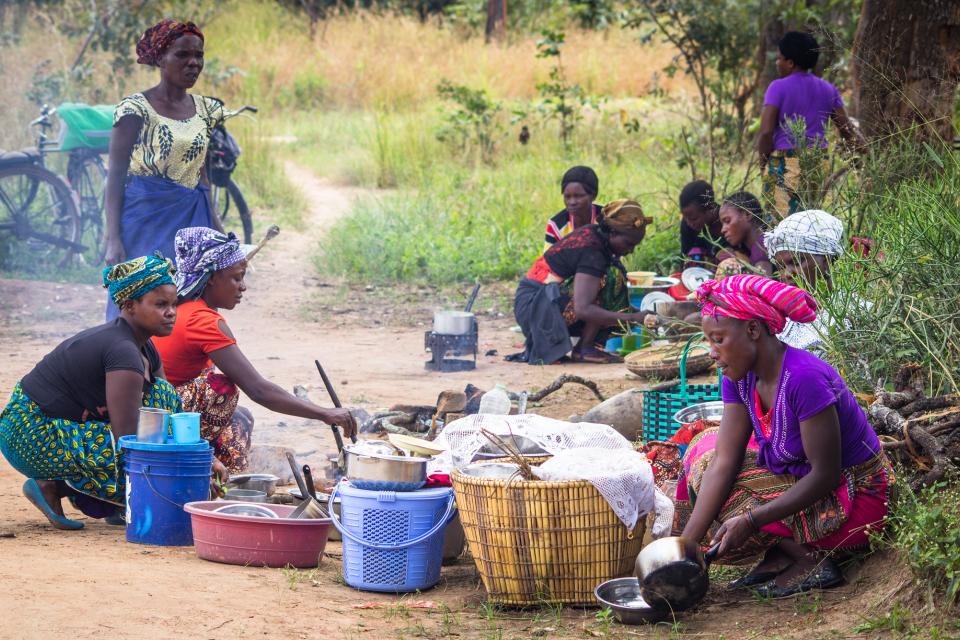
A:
[922,432]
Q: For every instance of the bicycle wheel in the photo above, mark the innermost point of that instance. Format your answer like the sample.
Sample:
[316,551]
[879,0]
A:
[234,213]
[88,177]
[39,223]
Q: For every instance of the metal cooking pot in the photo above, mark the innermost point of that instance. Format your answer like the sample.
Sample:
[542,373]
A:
[380,472]
[453,323]
[152,425]
[673,573]
[255,481]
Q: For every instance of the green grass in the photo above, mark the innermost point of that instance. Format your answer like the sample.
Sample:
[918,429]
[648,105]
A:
[453,219]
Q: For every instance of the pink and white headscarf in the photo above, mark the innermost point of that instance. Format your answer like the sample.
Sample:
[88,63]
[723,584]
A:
[748,297]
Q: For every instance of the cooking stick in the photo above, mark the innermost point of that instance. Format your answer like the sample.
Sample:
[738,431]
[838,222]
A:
[270,235]
[336,403]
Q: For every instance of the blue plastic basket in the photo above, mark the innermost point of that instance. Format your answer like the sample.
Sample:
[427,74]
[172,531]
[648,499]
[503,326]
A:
[392,542]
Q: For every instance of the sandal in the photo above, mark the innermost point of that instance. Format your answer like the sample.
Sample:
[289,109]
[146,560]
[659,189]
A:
[31,489]
[826,575]
[594,356]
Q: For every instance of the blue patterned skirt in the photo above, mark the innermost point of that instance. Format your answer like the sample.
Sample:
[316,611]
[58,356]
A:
[83,454]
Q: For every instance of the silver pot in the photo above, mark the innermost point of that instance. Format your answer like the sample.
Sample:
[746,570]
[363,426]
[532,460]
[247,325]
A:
[711,411]
[453,323]
[622,595]
[673,573]
[380,472]
[255,481]
[152,425]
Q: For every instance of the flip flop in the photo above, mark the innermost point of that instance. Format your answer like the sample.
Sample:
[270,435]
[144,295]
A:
[31,489]
[597,357]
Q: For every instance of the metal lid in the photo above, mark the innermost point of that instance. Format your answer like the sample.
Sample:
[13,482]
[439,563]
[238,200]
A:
[131,442]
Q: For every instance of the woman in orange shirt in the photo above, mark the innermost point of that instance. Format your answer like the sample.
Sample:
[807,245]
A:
[210,269]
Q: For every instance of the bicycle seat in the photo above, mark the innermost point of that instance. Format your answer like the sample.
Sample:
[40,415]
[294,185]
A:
[28,155]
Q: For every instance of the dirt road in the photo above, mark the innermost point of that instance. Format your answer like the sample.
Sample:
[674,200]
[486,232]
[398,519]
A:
[91,583]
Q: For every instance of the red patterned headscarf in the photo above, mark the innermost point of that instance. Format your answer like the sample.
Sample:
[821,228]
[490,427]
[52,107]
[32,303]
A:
[748,297]
[157,38]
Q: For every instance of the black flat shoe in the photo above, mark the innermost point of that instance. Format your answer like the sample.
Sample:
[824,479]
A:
[752,580]
[826,575]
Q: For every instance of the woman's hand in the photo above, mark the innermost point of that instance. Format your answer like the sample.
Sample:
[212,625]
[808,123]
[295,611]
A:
[733,533]
[652,321]
[341,418]
[218,477]
[114,253]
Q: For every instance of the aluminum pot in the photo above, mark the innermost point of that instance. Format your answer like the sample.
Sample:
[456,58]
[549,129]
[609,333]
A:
[453,323]
[152,425]
[673,573]
[380,472]
[256,481]
[710,411]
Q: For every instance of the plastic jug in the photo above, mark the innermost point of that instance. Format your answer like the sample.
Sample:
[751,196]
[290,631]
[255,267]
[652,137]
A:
[496,401]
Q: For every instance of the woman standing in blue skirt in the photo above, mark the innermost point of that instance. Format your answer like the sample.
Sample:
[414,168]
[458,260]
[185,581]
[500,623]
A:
[157,183]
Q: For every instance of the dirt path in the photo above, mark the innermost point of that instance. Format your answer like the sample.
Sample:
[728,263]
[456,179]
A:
[92,583]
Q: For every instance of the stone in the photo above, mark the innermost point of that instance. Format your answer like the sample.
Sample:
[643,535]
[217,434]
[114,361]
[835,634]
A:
[623,412]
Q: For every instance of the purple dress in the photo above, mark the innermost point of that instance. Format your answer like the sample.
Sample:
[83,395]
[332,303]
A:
[802,95]
[807,386]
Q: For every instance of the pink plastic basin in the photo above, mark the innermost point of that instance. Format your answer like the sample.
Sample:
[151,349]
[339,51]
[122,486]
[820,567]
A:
[252,541]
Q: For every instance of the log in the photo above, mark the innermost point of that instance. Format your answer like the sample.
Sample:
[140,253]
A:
[896,399]
[929,420]
[928,404]
[932,447]
[885,421]
[909,378]
[539,395]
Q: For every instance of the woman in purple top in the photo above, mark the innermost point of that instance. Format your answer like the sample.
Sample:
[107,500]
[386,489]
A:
[795,471]
[741,217]
[797,98]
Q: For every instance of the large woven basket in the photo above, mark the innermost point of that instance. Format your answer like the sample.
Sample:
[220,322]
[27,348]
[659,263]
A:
[537,542]
[664,362]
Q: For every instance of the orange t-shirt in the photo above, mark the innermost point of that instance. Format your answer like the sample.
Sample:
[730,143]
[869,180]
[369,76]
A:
[186,352]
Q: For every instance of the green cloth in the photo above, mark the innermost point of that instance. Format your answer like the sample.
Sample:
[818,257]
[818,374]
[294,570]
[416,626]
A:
[85,126]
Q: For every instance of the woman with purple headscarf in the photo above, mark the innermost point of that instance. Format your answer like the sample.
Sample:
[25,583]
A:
[210,269]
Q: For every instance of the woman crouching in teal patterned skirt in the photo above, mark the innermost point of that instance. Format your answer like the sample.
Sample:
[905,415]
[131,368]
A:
[61,426]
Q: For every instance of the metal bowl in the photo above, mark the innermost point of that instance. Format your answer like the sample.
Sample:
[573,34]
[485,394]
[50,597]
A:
[246,495]
[255,481]
[623,597]
[252,510]
[495,470]
[709,411]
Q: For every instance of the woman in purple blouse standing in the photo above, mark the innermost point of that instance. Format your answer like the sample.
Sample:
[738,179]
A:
[797,99]
[794,473]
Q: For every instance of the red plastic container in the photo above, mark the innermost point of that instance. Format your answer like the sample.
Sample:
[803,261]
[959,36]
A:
[259,542]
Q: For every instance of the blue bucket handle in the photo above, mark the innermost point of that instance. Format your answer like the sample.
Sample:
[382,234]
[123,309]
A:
[385,546]
[146,476]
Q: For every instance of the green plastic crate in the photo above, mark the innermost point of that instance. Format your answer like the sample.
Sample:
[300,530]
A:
[659,406]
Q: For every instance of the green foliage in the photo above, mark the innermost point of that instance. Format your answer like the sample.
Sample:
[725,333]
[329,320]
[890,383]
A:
[562,100]
[455,222]
[472,123]
[900,303]
[924,531]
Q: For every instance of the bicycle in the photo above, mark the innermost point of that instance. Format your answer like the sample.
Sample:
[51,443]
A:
[39,216]
[222,155]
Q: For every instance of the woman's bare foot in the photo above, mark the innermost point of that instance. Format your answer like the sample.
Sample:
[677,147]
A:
[802,559]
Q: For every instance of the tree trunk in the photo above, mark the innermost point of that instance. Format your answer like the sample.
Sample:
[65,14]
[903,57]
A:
[906,66]
[496,20]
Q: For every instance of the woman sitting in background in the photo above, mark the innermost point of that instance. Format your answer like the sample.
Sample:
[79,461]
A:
[579,186]
[568,291]
[210,269]
[61,426]
[804,247]
[794,471]
[742,218]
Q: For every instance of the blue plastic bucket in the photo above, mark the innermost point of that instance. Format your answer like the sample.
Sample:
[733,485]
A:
[161,478]
[392,542]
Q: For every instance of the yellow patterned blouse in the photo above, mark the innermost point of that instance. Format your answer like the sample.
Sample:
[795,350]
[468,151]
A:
[167,147]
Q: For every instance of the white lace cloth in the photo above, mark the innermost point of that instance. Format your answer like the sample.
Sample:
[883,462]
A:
[580,451]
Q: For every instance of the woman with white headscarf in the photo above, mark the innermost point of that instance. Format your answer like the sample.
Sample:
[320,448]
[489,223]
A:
[803,246]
